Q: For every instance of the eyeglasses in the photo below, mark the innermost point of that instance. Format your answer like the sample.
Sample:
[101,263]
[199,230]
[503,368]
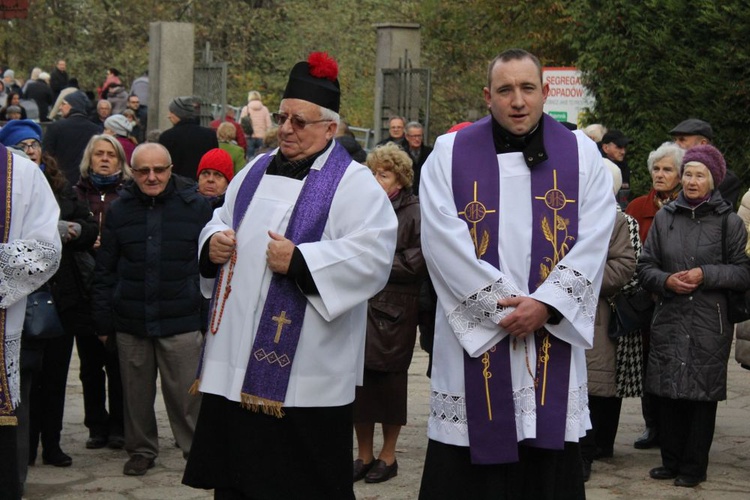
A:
[146,171]
[26,146]
[297,122]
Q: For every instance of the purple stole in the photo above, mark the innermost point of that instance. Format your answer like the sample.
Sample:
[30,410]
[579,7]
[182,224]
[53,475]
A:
[490,406]
[7,409]
[272,354]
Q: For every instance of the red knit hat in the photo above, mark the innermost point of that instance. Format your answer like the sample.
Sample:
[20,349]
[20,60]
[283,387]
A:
[219,160]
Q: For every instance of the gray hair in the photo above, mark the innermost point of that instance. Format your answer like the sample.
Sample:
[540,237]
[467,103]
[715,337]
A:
[596,132]
[414,125]
[329,114]
[666,150]
[85,166]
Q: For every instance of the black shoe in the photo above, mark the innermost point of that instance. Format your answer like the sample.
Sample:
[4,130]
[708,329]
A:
[662,473]
[586,470]
[57,458]
[96,442]
[381,472]
[360,469]
[116,442]
[137,465]
[689,481]
[649,439]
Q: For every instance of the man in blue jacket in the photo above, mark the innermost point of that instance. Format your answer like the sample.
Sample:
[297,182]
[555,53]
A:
[146,291]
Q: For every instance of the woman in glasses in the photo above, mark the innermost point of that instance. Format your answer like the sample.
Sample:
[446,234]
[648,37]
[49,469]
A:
[44,371]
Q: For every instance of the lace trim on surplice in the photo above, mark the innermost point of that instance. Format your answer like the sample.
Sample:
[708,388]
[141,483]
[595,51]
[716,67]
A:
[448,411]
[482,306]
[24,266]
[574,286]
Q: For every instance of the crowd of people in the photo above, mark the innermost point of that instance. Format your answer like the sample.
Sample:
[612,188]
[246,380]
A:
[274,275]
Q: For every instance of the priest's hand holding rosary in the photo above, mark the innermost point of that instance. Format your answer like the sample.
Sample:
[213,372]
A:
[529,316]
[221,246]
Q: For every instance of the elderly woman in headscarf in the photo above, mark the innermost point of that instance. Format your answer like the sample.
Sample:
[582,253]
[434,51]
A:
[694,256]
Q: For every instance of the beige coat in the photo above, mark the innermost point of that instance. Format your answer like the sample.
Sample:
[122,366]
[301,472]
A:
[620,267]
[742,347]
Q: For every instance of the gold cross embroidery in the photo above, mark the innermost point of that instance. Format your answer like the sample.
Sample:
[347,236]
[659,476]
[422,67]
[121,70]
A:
[280,322]
[474,212]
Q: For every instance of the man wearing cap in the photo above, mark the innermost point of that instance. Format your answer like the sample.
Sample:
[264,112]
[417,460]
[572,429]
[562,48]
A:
[66,139]
[614,147]
[30,252]
[187,141]
[9,79]
[305,237]
[517,212]
[694,132]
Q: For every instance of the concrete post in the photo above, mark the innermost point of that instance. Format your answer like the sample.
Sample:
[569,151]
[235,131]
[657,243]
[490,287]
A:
[170,68]
[394,40]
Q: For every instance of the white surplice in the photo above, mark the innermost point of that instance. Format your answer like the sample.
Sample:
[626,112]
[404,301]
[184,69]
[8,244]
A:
[466,286]
[29,258]
[349,265]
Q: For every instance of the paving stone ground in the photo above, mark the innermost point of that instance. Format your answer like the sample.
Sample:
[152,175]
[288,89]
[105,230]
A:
[97,474]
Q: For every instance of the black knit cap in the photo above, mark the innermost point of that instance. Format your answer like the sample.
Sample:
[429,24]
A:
[315,81]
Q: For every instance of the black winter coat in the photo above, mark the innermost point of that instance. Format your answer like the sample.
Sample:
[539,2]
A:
[187,142]
[146,280]
[690,333]
[392,314]
[71,284]
[66,140]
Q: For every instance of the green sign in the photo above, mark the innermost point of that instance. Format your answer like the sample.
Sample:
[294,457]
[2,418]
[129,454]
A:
[561,116]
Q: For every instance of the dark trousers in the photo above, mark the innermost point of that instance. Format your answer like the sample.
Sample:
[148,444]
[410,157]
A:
[10,487]
[686,434]
[538,475]
[48,395]
[605,418]
[100,377]
[649,402]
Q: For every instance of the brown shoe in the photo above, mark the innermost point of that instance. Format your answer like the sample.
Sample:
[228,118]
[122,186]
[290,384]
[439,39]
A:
[137,465]
[381,472]
[361,469]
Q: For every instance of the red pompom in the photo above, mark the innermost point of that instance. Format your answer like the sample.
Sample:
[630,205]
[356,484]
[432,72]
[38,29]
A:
[323,66]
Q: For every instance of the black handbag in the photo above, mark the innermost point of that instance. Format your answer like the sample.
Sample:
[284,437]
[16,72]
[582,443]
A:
[42,320]
[631,311]
[738,308]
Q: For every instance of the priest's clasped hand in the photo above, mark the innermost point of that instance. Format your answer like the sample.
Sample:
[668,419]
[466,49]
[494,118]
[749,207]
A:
[279,253]
[221,246]
[529,316]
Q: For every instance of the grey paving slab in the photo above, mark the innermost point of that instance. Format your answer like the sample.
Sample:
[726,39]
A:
[97,474]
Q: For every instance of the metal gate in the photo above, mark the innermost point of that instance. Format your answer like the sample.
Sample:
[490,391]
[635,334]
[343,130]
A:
[210,85]
[406,92]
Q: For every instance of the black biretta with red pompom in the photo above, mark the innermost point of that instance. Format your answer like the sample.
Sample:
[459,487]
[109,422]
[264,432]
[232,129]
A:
[316,81]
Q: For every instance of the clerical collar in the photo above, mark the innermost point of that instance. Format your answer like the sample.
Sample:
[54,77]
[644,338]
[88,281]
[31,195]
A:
[293,169]
[531,144]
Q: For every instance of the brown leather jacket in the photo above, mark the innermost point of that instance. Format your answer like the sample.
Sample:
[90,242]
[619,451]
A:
[392,314]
